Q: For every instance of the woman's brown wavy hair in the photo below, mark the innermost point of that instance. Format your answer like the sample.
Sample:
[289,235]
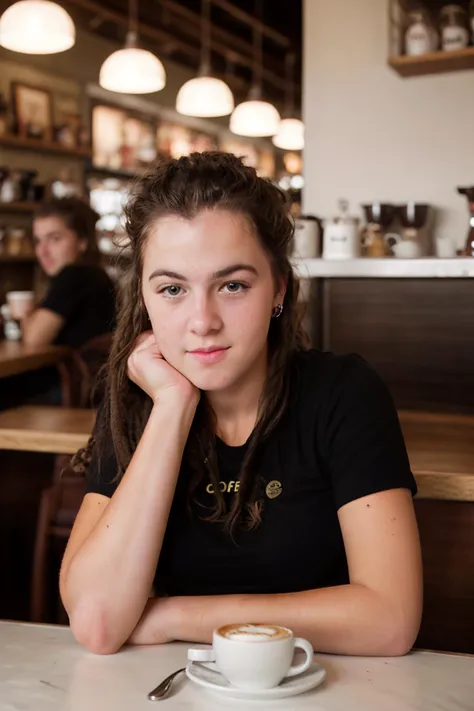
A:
[183,187]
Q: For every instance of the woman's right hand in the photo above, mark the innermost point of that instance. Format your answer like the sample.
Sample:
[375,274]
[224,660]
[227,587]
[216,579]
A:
[153,374]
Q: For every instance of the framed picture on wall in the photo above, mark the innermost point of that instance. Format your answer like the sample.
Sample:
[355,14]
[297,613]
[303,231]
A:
[107,136]
[122,140]
[33,110]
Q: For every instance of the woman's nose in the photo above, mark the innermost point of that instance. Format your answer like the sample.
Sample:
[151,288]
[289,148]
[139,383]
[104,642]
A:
[205,317]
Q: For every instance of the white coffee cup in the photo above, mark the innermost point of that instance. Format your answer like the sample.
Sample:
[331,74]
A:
[21,303]
[254,656]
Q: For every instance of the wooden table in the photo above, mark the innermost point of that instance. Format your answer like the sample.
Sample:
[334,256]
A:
[441,451]
[39,428]
[16,358]
[42,668]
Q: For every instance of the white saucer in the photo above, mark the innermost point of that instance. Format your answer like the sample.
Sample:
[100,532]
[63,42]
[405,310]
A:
[206,675]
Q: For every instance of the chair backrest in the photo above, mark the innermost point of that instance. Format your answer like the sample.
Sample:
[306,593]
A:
[94,355]
[82,386]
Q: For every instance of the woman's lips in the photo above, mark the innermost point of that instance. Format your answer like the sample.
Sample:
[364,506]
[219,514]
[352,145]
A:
[208,357]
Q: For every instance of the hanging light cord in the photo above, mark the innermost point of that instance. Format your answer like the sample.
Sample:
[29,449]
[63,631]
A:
[205,38]
[257,51]
[132,34]
[289,89]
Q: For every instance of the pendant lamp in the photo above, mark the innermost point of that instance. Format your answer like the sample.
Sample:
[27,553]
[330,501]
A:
[205,95]
[132,70]
[36,27]
[290,134]
[255,117]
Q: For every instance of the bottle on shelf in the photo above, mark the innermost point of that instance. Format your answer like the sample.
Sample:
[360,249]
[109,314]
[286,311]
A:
[421,36]
[454,28]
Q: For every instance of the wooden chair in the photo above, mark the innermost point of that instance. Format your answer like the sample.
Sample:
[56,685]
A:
[79,372]
[58,508]
[37,428]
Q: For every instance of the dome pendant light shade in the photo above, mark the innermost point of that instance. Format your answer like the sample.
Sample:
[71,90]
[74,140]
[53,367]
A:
[132,70]
[36,27]
[255,118]
[205,97]
[290,135]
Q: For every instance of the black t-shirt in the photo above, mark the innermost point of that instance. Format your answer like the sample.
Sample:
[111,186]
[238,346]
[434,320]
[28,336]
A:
[339,440]
[84,297]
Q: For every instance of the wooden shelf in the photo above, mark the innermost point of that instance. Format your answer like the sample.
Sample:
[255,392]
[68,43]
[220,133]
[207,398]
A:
[20,259]
[433,63]
[29,144]
[120,174]
[11,207]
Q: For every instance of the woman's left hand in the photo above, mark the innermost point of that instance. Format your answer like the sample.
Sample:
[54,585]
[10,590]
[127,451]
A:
[157,624]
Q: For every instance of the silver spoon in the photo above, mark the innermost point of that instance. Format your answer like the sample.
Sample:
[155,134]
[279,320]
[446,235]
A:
[163,689]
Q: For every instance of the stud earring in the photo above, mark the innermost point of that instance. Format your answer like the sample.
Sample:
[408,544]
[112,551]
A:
[277,311]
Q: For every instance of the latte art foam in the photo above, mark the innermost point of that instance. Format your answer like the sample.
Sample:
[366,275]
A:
[254,633]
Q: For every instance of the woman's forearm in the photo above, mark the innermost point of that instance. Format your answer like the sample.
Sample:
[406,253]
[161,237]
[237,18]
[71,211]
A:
[348,619]
[106,583]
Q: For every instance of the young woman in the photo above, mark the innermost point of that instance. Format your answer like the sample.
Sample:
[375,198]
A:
[235,475]
[79,304]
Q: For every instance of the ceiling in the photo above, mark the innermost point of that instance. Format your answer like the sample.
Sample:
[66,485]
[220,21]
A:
[172,29]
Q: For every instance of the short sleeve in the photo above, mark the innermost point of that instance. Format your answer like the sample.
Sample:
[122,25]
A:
[65,293]
[364,448]
[101,475]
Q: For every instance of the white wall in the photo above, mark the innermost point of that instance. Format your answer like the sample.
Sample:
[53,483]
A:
[371,135]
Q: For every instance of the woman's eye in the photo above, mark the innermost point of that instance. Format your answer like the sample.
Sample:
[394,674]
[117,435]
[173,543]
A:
[172,290]
[233,287]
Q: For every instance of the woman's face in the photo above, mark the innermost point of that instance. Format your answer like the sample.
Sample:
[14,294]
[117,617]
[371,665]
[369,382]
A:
[56,245]
[209,291]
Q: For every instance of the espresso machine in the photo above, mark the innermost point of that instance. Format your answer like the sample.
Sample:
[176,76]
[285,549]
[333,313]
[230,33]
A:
[468,250]
[379,217]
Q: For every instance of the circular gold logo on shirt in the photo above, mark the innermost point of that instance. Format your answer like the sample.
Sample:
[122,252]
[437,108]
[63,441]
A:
[274,489]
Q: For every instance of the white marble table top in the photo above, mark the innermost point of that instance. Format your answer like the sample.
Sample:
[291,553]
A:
[43,669]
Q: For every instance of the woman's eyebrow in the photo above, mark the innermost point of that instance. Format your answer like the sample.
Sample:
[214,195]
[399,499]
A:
[220,274]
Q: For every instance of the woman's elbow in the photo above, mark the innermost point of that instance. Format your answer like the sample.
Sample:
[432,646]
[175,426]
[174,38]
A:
[95,633]
[33,340]
[400,638]
[398,646]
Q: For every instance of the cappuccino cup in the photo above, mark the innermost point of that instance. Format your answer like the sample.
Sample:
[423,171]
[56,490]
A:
[21,303]
[254,656]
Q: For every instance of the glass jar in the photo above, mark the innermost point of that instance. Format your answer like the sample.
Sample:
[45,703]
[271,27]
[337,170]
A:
[471,16]
[421,36]
[454,24]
